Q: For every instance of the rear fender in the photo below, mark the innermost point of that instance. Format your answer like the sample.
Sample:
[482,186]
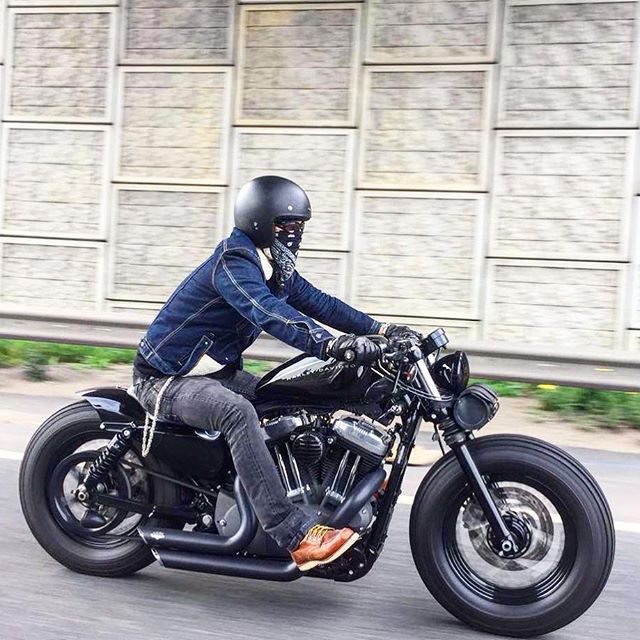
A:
[114,404]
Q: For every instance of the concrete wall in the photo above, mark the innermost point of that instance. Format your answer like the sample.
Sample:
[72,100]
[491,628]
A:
[471,163]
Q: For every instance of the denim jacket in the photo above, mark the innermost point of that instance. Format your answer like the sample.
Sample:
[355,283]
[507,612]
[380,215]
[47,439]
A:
[225,303]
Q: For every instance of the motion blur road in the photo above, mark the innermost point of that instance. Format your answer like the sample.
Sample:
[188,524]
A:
[41,599]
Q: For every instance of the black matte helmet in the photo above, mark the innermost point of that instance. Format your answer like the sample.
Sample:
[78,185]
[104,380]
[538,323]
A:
[262,201]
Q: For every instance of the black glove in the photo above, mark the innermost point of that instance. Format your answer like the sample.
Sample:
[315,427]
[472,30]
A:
[354,349]
[399,330]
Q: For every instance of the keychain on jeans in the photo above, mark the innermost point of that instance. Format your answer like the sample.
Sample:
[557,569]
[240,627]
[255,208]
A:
[150,429]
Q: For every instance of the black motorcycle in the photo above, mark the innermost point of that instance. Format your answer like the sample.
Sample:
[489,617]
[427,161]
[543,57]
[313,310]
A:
[510,534]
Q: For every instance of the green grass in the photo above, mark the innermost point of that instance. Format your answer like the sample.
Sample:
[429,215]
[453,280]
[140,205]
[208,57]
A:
[597,408]
[506,388]
[258,367]
[34,357]
[16,352]
[591,407]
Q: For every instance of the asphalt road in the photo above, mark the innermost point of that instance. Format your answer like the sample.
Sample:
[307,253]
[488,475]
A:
[41,599]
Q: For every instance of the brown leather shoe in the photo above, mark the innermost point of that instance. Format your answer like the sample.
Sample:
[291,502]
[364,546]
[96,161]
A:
[322,545]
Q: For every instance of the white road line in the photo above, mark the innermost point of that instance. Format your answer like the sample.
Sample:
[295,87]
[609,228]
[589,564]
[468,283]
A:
[10,455]
[626,527]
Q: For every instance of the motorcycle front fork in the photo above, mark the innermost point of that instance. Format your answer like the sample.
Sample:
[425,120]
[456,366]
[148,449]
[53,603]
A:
[457,441]
[502,536]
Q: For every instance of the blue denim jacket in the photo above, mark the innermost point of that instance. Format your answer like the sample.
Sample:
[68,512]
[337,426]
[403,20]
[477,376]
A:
[225,303]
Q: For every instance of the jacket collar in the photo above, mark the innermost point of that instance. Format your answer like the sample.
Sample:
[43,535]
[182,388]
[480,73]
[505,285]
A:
[238,237]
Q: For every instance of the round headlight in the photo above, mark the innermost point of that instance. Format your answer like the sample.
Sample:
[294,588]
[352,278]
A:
[452,372]
[475,406]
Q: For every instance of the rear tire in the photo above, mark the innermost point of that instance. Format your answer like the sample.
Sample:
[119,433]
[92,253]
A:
[57,438]
[471,594]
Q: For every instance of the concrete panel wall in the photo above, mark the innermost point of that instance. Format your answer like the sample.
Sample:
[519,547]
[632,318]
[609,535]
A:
[569,65]
[471,163]
[170,32]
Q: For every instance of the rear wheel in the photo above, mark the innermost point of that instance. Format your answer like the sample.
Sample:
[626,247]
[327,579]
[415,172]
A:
[99,541]
[556,512]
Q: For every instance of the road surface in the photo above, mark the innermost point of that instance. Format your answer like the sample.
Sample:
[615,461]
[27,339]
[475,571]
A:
[42,600]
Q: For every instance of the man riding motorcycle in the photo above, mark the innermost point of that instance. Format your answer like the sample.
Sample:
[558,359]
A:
[188,367]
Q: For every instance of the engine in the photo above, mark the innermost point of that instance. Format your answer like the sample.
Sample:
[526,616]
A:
[321,461]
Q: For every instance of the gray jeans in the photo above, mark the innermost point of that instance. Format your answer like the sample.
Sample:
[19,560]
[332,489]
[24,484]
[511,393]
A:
[223,404]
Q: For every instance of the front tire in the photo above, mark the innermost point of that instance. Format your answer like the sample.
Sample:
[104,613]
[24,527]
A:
[561,513]
[74,432]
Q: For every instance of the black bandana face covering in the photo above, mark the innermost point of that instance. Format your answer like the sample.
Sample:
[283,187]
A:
[284,249]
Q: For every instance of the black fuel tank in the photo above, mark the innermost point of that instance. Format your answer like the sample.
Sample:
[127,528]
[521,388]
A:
[305,378]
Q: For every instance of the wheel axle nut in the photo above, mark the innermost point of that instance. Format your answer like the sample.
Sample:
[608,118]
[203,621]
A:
[207,520]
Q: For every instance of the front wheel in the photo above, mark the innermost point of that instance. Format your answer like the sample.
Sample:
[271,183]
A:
[554,507]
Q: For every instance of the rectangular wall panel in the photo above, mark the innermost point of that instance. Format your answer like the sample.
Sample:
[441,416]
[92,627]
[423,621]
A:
[173,125]
[456,330]
[175,31]
[320,161]
[425,128]
[325,270]
[158,237]
[405,266]
[548,303]
[431,30]
[569,64]
[59,64]
[3,19]
[297,64]
[51,275]
[633,289]
[634,340]
[53,180]
[64,3]
[562,195]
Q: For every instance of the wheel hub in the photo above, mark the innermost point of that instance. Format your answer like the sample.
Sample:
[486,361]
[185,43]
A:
[519,543]
[73,506]
[529,556]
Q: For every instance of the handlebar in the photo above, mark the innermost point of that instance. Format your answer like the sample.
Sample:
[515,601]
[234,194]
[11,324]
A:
[396,349]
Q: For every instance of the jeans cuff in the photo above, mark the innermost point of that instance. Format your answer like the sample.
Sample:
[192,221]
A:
[305,523]
[290,530]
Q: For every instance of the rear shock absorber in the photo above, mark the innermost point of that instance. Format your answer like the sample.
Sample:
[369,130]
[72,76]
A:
[112,453]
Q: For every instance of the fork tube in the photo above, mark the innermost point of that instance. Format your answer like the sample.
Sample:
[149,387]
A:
[426,380]
[481,492]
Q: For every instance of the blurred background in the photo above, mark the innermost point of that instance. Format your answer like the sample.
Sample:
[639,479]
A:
[471,164]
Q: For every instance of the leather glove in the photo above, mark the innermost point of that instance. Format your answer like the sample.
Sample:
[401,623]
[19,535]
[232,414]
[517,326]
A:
[398,330]
[353,349]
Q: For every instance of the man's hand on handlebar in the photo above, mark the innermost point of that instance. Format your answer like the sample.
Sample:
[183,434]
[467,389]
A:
[398,331]
[353,349]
